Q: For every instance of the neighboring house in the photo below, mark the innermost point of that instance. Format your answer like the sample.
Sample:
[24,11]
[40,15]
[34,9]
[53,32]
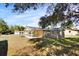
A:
[19,32]
[71,32]
[59,33]
[53,33]
[31,32]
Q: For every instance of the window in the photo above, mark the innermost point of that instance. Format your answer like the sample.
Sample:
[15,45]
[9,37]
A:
[29,32]
[69,31]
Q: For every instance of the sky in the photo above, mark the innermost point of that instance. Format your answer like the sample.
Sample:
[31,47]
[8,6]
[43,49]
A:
[29,18]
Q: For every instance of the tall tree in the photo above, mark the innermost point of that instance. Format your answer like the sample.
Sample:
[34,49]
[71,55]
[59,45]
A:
[18,28]
[60,14]
[3,26]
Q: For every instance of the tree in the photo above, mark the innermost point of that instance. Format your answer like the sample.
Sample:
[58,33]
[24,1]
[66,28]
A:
[56,11]
[22,7]
[3,27]
[49,20]
[11,28]
[44,22]
[67,24]
[18,28]
[58,16]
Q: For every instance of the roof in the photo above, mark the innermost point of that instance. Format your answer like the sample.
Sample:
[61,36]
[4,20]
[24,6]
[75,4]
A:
[53,29]
[19,31]
[36,28]
[73,29]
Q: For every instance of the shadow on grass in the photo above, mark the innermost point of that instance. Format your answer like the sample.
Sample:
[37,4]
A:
[35,40]
[43,43]
[55,47]
[74,39]
[68,46]
[62,42]
[3,48]
[67,51]
[48,42]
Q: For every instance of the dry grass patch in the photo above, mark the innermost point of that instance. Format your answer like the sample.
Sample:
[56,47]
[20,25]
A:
[21,46]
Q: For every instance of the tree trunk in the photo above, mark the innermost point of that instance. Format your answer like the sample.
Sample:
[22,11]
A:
[62,33]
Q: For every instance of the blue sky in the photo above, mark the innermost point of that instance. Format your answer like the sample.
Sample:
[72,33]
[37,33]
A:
[29,18]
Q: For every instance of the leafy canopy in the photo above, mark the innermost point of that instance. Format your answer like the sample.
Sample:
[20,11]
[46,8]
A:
[3,26]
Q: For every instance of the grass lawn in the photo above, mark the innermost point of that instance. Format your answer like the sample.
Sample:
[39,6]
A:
[67,46]
[20,46]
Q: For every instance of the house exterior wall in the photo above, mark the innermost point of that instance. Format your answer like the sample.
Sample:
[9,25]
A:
[61,34]
[53,34]
[38,33]
[19,32]
[16,33]
[33,32]
[70,33]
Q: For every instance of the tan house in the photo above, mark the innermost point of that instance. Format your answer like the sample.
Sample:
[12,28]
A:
[59,33]
[53,33]
[71,32]
[33,32]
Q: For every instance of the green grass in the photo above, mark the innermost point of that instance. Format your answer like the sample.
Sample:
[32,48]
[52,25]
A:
[69,46]
[66,41]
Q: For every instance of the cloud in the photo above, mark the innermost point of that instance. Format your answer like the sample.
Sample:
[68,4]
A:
[30,19]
